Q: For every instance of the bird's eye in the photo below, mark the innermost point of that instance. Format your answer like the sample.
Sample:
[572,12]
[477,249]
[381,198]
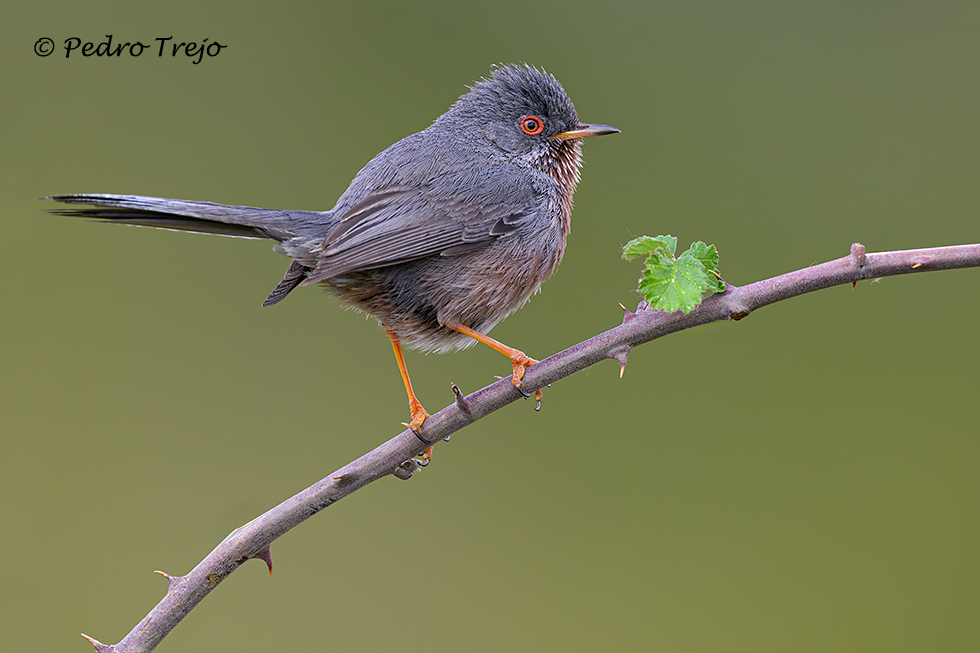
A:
[532,125]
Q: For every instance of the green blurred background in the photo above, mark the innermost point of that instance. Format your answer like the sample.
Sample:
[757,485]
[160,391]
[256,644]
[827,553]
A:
[803,480]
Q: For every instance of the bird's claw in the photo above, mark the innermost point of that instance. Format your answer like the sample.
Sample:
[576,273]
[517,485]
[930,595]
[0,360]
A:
[519,369]
[520,362]
[419,415]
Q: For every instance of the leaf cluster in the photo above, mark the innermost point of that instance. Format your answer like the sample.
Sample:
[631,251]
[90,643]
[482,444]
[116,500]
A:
[675,283]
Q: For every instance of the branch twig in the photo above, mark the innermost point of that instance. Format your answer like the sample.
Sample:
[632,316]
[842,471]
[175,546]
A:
[254,539]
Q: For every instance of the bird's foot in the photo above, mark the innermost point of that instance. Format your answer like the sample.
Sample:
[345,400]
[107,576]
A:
[419,415]
[521,362]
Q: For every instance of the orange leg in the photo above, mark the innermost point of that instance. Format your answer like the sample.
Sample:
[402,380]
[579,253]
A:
[518,359]
[419,414]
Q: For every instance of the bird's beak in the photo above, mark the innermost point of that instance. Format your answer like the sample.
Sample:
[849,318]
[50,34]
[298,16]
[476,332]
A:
[584,131]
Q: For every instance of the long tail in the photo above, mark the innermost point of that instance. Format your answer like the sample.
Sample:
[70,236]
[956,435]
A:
[185,215]
[203,217]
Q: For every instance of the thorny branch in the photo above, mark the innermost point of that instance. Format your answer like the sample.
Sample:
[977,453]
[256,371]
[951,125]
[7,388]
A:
[253,540]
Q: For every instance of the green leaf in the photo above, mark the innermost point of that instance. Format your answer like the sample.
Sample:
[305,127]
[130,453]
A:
[647,245]
[675,284]
[708,255]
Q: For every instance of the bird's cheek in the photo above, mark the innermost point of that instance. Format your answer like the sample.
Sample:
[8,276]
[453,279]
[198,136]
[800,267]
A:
[504,138]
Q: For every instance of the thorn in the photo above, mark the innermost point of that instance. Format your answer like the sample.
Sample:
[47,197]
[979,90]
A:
[854,284]
[171,580]
[405,470]
[99,646]
[460,400]
[858,257]
[627,315]
[917,265]
[620,354]
[265,555]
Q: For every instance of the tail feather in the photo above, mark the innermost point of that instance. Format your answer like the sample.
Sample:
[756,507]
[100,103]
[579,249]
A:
[209,218]
[295,274]
[186,215]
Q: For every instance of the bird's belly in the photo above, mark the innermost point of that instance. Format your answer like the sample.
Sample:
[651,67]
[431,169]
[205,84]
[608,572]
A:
[421,299]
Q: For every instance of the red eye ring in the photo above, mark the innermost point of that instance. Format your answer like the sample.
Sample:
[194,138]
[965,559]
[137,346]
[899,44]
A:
[532,125]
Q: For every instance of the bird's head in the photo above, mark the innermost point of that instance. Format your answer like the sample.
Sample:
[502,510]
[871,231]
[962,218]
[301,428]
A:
[524,112]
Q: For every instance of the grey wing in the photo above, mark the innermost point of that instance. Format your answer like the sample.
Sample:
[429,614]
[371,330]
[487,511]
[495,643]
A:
[400,225]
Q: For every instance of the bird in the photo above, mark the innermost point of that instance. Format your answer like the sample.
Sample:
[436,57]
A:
[439,237]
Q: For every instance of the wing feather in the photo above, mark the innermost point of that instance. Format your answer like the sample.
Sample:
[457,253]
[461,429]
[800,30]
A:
[397,225]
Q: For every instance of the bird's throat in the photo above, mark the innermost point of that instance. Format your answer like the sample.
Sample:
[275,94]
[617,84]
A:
[562,161]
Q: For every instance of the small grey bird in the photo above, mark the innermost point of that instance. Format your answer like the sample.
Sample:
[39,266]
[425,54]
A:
[439,237]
